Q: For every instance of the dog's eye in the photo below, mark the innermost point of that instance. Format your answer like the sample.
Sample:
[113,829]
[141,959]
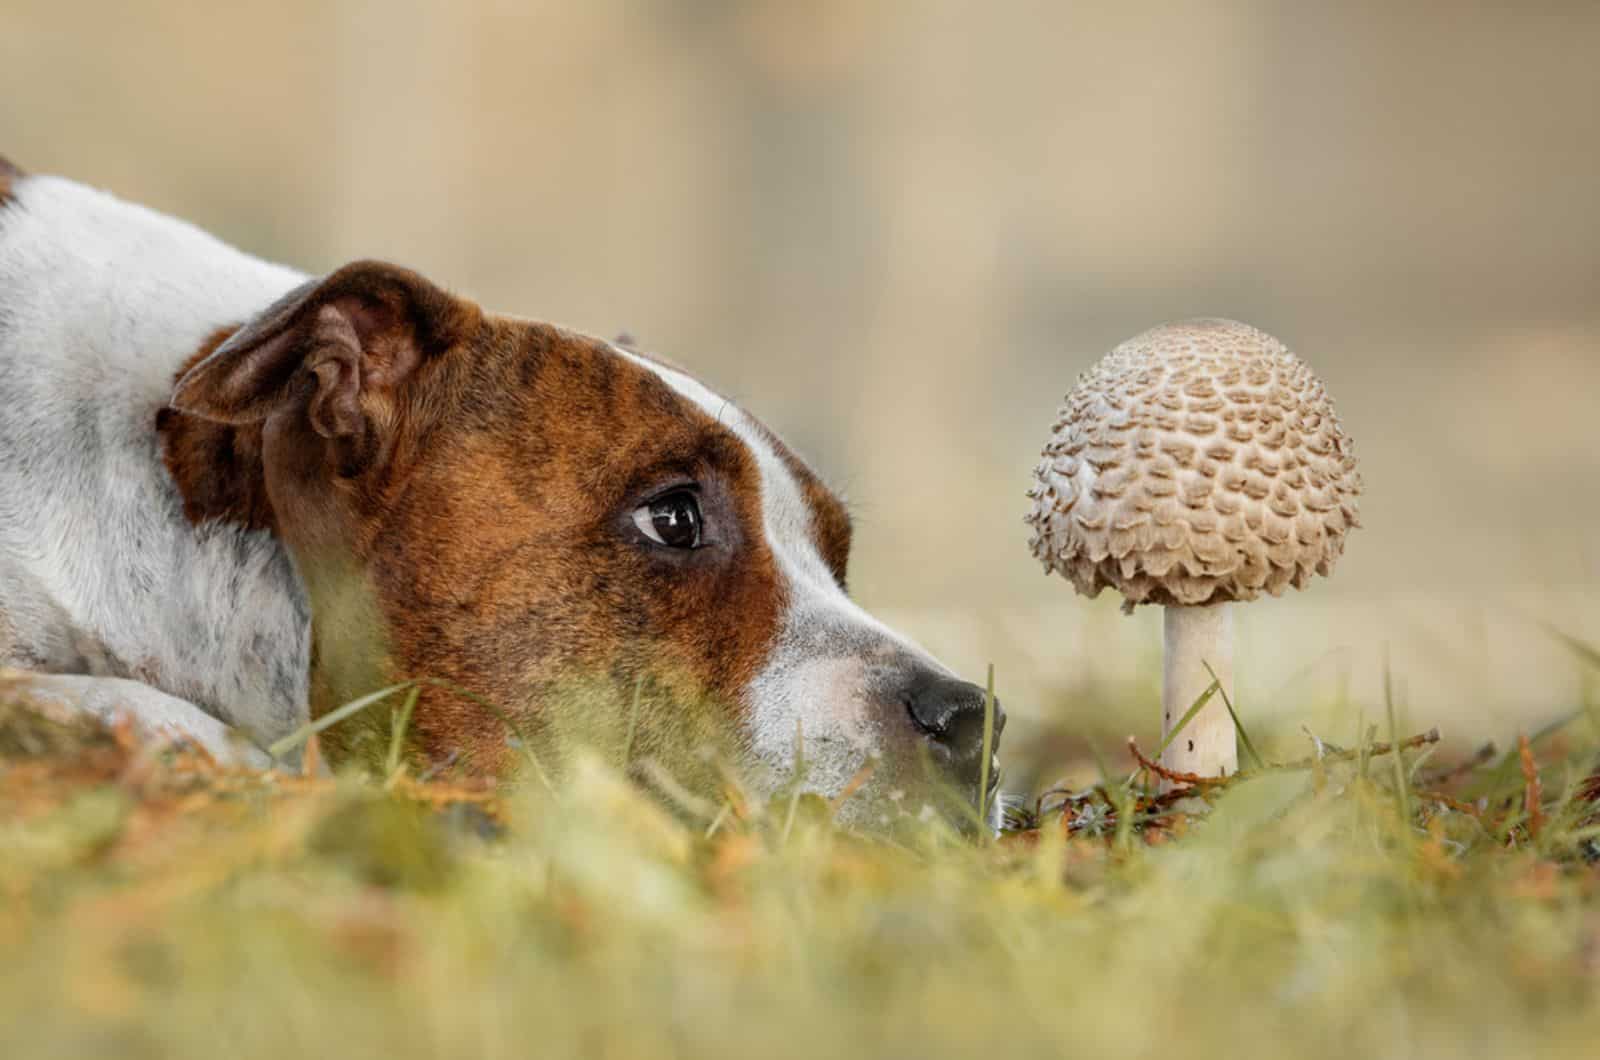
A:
[673,520]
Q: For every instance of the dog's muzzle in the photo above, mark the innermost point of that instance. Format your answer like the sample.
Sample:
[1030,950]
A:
[949,714]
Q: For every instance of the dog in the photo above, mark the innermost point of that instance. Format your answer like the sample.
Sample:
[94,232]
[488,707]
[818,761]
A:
[233,497]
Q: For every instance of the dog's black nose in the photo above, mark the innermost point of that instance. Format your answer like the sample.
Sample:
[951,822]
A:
[949,712]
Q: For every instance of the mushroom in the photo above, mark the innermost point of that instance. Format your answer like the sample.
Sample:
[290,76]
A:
[1197,465]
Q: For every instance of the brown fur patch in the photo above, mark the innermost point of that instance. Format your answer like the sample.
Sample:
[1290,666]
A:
[216,466]
[9,175]
[492,547]
[492,544]
[508,564]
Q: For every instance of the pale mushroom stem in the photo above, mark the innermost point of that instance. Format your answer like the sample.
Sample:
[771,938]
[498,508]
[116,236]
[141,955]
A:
[1196,637]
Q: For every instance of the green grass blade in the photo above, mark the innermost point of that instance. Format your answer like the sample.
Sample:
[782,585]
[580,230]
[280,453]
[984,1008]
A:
[798,781]
[1581,648]
[633,723]
[1238,726]
[1559,823]
[717,821]
[1402,787]
[988,752]
[397,731]
[1188,715]
[1121,796]
[281,747]
[1364,735]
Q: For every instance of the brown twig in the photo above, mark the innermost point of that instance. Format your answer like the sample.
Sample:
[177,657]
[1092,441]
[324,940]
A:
[1411,744]
[1532,790]
[1197,781]
[1194,780]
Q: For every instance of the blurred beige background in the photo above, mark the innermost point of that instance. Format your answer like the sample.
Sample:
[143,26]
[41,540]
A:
[898,230]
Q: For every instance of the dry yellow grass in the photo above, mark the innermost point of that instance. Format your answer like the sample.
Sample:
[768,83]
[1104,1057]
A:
[152,905]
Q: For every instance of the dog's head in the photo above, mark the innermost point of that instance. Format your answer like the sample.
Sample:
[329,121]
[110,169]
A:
[582,535]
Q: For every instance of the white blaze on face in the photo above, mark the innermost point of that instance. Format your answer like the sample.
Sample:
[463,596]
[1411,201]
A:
[817,683]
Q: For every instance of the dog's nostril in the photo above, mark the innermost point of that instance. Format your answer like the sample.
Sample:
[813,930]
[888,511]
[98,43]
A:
[950,712]
[928,722]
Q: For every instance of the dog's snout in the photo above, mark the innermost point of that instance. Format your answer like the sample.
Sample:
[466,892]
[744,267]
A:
[950,713]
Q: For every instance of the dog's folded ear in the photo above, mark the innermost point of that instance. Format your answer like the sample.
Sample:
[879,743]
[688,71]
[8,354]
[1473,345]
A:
[336,345]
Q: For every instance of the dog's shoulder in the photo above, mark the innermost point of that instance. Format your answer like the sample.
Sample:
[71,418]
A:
[102,303]
[94,280]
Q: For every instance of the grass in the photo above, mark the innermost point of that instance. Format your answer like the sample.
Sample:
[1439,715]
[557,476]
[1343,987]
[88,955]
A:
[1365,900]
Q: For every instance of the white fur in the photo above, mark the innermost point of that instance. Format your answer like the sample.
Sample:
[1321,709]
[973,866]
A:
[156,715]
[100,302]
[100,573]
[816,685]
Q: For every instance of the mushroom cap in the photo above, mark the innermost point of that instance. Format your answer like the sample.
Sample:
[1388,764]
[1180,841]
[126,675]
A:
[1197,463]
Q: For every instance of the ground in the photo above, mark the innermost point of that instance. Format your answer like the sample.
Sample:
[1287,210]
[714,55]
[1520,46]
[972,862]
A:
[1364,904]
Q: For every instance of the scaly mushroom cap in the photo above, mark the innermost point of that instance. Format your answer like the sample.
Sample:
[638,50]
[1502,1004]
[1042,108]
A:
[1198,463]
